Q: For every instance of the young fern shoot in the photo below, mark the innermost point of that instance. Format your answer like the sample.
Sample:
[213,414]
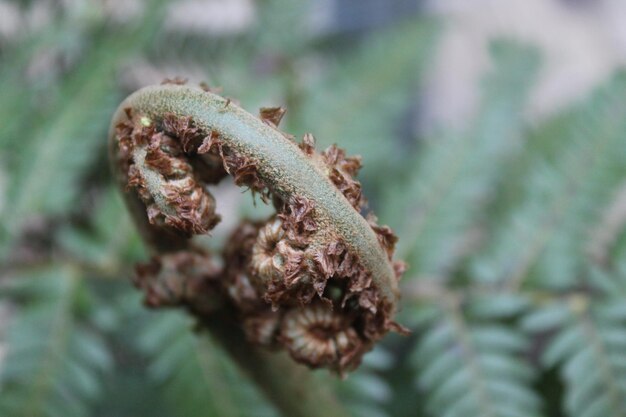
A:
[316,279]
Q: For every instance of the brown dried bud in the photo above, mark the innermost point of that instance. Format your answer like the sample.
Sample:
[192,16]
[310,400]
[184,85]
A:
[279,266]
[213,139]
[267,262]
[180,278]
[350,188]
[319,337]
[329,258]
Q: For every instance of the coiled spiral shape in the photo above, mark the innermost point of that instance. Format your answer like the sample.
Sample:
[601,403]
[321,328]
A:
[316,279]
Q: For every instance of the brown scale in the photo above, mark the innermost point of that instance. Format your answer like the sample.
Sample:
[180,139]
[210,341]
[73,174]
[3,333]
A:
[272,115]
[343,169]
[188,278]
[297,219]
[175,81]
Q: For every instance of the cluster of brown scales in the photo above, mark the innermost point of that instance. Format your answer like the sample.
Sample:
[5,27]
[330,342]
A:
[296,281]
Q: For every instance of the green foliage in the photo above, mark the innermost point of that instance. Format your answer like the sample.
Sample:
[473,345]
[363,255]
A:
[366,392]
[562,196]
[68,142]
[373,85]
[475,369]
[463,170]
[501,227]
[195,376]
[55,358]
[589,351]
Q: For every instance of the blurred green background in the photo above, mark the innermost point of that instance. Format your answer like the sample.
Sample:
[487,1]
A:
[493,135]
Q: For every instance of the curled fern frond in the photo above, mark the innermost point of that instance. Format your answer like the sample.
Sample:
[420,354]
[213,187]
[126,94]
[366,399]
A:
[318,257]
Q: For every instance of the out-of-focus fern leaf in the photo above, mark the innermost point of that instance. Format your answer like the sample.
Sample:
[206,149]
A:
[437,211]
[66,143]
[562,199]
[99,244]
[365,392]
[283,14]
[606,239]
[196,377]
[477,369]
[499,305]
[590,350]
[55,359]
[29,84]
[372,86]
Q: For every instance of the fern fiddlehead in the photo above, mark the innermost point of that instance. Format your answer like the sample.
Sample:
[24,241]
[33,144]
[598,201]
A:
[317,279]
